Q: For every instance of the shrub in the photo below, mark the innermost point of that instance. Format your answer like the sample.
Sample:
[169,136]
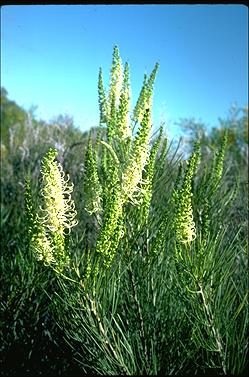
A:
[157,284]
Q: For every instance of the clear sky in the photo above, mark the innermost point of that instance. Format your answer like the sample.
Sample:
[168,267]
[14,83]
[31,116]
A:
[51,56]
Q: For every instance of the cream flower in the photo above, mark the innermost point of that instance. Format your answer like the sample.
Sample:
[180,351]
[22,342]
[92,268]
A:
[59,211]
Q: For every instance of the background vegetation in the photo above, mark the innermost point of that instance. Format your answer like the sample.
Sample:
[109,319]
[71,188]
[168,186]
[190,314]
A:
[29,302]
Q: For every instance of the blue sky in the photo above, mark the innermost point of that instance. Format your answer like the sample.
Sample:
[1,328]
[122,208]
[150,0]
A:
[51,56]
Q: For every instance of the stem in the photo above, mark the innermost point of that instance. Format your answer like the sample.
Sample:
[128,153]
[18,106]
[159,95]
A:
[139,313]
[147,237]
[215,331]
[101,328]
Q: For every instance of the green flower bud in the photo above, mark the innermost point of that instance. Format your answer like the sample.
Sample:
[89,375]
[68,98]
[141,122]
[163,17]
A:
[111,229]
[92,186]
[219,161]
[103,107]
[124,104]
[183,221]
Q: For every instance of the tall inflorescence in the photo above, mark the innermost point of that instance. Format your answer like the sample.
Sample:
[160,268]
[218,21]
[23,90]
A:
[103,106]
[132,175]
[219,162]
[116,78]
[160,162]
[123,159]
[141,104]
[123,119]
[111,230]
[114,105]
[139,155]
[214,182]
[58,214]
[184,224]
[92,186]
[144,101]
[39,244]
[148,175]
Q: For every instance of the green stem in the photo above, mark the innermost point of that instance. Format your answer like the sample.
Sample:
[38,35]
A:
[141,321]
[102,330]
[214,329]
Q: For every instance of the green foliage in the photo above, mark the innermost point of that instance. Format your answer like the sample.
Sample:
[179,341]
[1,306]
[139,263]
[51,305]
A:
[153,278]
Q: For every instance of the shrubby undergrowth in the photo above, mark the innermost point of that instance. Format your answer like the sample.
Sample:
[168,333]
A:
[140,264]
